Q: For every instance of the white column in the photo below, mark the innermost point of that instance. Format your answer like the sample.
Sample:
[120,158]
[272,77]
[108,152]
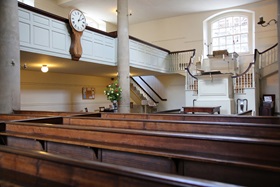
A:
[10,57]
[123,56]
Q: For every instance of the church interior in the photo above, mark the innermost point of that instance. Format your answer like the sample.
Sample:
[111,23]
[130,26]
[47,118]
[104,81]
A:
[139,93]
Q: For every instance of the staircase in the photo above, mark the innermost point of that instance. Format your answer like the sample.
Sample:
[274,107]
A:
[269,70]
[267,61]
[142,101]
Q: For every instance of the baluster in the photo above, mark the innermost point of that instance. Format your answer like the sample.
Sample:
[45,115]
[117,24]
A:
[252,81]
[246,80]
[242,83]
[238,85]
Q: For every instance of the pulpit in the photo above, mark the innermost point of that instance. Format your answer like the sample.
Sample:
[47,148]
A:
[223,62]
[216,89]
[215,85]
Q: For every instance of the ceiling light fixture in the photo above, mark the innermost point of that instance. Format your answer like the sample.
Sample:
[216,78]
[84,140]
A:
[262,22]
[44,68]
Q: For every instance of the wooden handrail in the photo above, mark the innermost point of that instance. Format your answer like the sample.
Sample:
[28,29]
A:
[188,70]
[190,61]
[255,59]
[189,50]
[257,51]
[248,68]
[143,89]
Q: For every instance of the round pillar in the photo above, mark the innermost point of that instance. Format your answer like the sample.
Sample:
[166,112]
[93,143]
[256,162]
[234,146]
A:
[9,57]
[123,55]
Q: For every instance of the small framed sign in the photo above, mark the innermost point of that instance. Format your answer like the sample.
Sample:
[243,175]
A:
[88,93]
[267,98]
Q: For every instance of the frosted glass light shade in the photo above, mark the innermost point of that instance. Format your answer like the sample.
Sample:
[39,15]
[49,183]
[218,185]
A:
[44,68]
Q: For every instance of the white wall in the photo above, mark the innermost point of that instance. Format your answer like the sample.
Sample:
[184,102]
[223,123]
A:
[174,88]
[61,92]
[51,6]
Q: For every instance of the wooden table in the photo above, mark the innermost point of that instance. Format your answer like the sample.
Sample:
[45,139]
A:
[194,109]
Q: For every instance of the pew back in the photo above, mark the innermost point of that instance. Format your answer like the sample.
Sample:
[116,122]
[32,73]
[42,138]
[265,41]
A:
[257,130]
[196,117]
[19,167]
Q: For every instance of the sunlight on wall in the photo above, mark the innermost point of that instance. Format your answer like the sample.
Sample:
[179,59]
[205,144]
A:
[97,24]
[28,2]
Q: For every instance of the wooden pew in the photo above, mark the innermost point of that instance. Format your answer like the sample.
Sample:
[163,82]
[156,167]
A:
[8,117]
[257,130]
[210,157]
[159,116]
[196,117]
[33,168]
[56,113]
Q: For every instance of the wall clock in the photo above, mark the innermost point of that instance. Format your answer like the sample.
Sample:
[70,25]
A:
[78,24]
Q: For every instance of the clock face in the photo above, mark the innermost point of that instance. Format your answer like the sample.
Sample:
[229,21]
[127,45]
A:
[77,20]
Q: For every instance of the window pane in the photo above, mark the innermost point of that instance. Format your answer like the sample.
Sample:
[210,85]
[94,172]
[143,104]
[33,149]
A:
[215,48]
[222,47]
[236,38]
[222,32]
[215,41]
[236,30]
[236,21]
[215,25]
[244,29]
[237,48]
[230,48]
[222,23]
[229,22]
[215,33]
[229,31]
[223,41]
[244,38]
[244,22]
[229,39]
[244,48]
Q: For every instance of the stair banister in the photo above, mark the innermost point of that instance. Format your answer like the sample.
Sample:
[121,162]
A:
[143,90]
[153,90]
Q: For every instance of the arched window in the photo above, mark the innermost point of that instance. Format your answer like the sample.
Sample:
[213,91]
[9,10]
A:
[230,33]
[231,30]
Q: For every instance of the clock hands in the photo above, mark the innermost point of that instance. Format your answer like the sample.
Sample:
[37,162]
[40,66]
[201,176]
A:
[80,19]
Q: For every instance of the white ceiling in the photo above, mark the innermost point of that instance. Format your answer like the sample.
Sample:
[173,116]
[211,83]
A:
[142,11]
[145,10]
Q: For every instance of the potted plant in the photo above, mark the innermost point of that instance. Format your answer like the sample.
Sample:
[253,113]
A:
[113,92]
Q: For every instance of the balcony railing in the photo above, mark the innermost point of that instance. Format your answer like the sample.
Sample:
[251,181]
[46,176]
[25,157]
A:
[180,60]
[267,57]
